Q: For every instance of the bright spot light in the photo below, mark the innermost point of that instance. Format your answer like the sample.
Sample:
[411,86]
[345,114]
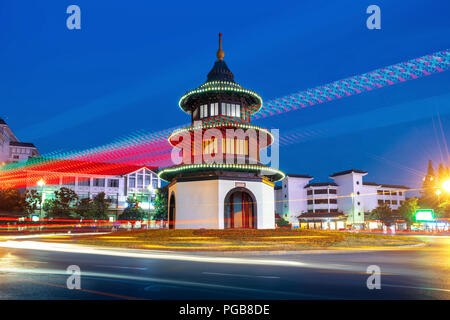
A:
[446,185]
[41,183]
[438,192]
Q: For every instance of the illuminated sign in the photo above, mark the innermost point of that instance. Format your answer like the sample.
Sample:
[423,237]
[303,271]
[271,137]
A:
[424,215]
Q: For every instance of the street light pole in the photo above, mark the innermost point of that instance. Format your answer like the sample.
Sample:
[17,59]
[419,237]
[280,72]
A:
[151,191]
[41,183]
[353,209]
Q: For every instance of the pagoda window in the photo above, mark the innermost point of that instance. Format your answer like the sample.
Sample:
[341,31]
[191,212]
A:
[203,111]
[214,109]
[224,109]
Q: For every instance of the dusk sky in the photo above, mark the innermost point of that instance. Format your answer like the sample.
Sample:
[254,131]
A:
[125,70]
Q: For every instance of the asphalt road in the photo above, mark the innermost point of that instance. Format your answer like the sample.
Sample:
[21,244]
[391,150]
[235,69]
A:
[32,272]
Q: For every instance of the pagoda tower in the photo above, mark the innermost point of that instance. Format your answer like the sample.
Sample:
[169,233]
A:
[220,182]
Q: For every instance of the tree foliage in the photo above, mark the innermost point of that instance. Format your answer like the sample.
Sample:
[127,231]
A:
[160,204]
[96,208]
[132,211]
[408,209]
[62,206]
[11,201]
[384,214]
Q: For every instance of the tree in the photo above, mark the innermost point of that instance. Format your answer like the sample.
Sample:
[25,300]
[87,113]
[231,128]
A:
[132,211]
[383,213]
[63,204]
[160,204]
[11,201]
[408,210]
[100,205]
[428,197]
[32,201]
[281,222]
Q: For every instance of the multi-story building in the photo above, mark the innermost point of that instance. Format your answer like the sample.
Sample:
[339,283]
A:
[345,201]
[88,179]
[11,149]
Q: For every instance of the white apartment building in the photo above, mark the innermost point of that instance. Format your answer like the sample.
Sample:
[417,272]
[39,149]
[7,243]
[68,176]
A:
[344,201]
[11,149]
[88,179]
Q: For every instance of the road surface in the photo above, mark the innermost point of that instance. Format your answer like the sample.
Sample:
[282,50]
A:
[30,270]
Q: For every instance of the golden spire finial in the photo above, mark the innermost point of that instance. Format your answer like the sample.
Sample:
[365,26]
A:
[220,54]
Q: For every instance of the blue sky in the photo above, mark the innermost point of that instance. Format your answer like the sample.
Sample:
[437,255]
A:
[125,70]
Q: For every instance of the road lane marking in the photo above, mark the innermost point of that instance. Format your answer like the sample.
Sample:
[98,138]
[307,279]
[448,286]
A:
[119,267]
[240,275]
[411,287]
[83,290]
[188,284]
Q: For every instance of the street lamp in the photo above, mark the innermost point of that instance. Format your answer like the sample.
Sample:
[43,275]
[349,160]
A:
[353,209]
[438,193]
[41,183]
[446,185]
[151,191]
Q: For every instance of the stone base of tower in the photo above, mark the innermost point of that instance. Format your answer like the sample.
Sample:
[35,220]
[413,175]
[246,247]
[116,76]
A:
[221,203]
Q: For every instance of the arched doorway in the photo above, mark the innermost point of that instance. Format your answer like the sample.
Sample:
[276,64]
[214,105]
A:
[240,209]
[172,211]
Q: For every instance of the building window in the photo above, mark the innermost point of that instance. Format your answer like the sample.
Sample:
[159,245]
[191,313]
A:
[333,200]
[140,181]
[231,109]
[84,182]
[380,202]
[332,191]
[357,193]
[309,192]
[147,180]
[394,202]
[357,182]
[333,210]
[387,201]
[321,191]
[132,182]
[99,182]
[320,201]
[113,183]
[394,193]
[400,193]
[203,111]
[380,192]
[359,203]
[68,181]
[310,202]
[214,109]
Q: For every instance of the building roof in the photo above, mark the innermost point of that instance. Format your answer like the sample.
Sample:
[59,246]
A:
[321,184]
[394,186]
[21,144]
[220,81]
[299,176]
[322,215]
[347,172]
[220,72]
[371,184]
[385,185]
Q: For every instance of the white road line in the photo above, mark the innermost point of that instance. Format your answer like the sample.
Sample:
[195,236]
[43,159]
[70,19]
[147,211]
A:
[119,267]
[240,275]
[411,287]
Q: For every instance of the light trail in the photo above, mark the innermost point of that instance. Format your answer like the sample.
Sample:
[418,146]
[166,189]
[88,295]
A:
[152,149]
